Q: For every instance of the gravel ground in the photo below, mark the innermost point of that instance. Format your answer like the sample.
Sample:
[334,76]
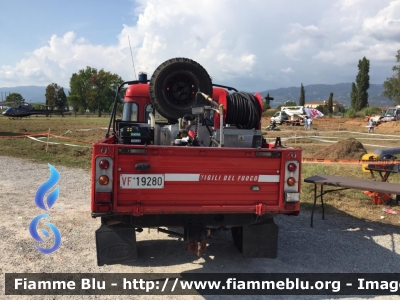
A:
[338,244]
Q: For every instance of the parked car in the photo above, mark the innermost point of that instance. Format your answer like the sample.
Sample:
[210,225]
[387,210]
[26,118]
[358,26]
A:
[392,114]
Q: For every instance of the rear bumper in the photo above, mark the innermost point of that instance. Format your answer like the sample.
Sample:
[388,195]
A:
[290,206]
[178,220]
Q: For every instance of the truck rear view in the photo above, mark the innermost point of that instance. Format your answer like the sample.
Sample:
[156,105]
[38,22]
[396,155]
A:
[190,154]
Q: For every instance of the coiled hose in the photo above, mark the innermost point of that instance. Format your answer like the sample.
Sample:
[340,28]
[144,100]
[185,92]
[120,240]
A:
[243,110]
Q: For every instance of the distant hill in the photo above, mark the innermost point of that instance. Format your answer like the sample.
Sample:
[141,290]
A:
[320,92]
[31,94]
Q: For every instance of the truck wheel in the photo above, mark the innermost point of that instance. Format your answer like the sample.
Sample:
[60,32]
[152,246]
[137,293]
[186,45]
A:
[174,86]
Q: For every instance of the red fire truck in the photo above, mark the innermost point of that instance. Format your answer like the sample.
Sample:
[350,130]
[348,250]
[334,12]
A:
[190,154]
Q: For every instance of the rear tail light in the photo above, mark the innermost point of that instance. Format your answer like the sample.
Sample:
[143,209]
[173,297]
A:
[104,164]
[292,167]
[291,181]
[292,178]
[103,180]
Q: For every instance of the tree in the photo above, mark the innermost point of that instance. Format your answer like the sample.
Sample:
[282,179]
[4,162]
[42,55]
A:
[15,99]
[323,109]
[102,95]
[391,85]
[302,100]
[330,103]
[50,96]
[341,108]
[55,96]
[62,102]
[79,84]
[360,94]
[93,90]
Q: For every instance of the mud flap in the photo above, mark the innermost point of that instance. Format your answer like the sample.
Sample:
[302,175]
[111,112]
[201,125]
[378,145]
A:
[260,240]
[116,245]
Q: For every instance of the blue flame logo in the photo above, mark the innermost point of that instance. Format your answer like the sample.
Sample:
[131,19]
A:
[45,187]
[39,201]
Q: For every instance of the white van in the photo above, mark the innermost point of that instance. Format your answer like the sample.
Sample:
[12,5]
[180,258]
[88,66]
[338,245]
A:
[392,114]
[280,117]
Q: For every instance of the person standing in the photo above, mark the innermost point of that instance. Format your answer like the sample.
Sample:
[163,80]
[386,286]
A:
[371,126]
[305,120]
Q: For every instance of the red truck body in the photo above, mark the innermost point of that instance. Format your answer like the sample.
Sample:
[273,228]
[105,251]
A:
[219,180]
[199,188]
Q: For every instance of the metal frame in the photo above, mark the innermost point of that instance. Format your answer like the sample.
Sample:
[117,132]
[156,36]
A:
[322,200]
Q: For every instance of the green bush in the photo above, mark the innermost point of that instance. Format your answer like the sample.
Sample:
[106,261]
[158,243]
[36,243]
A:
[359,114]
[372,110]
[350,113]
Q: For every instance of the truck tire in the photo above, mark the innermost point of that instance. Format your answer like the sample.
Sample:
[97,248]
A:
[174,86]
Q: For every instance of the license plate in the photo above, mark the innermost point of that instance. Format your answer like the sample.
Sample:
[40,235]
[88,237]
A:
[136,181]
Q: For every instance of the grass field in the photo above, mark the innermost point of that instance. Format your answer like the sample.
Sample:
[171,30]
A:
[85,130]
[82,131]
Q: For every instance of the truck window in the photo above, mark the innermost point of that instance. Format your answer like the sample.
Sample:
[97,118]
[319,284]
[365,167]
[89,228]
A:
[130,112]
[389,113]
[149,109]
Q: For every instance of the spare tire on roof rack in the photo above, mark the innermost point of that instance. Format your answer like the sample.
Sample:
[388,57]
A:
[174,86]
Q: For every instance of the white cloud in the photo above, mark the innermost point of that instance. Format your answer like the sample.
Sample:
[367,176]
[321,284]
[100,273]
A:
[239,43]
[164,30]
[372,32]
[57,61]
[348,4]
[287,70]
[305,31]
[386,24]
[306,38]
[344,52]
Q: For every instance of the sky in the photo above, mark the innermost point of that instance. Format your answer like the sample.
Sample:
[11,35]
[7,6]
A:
[252,45]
